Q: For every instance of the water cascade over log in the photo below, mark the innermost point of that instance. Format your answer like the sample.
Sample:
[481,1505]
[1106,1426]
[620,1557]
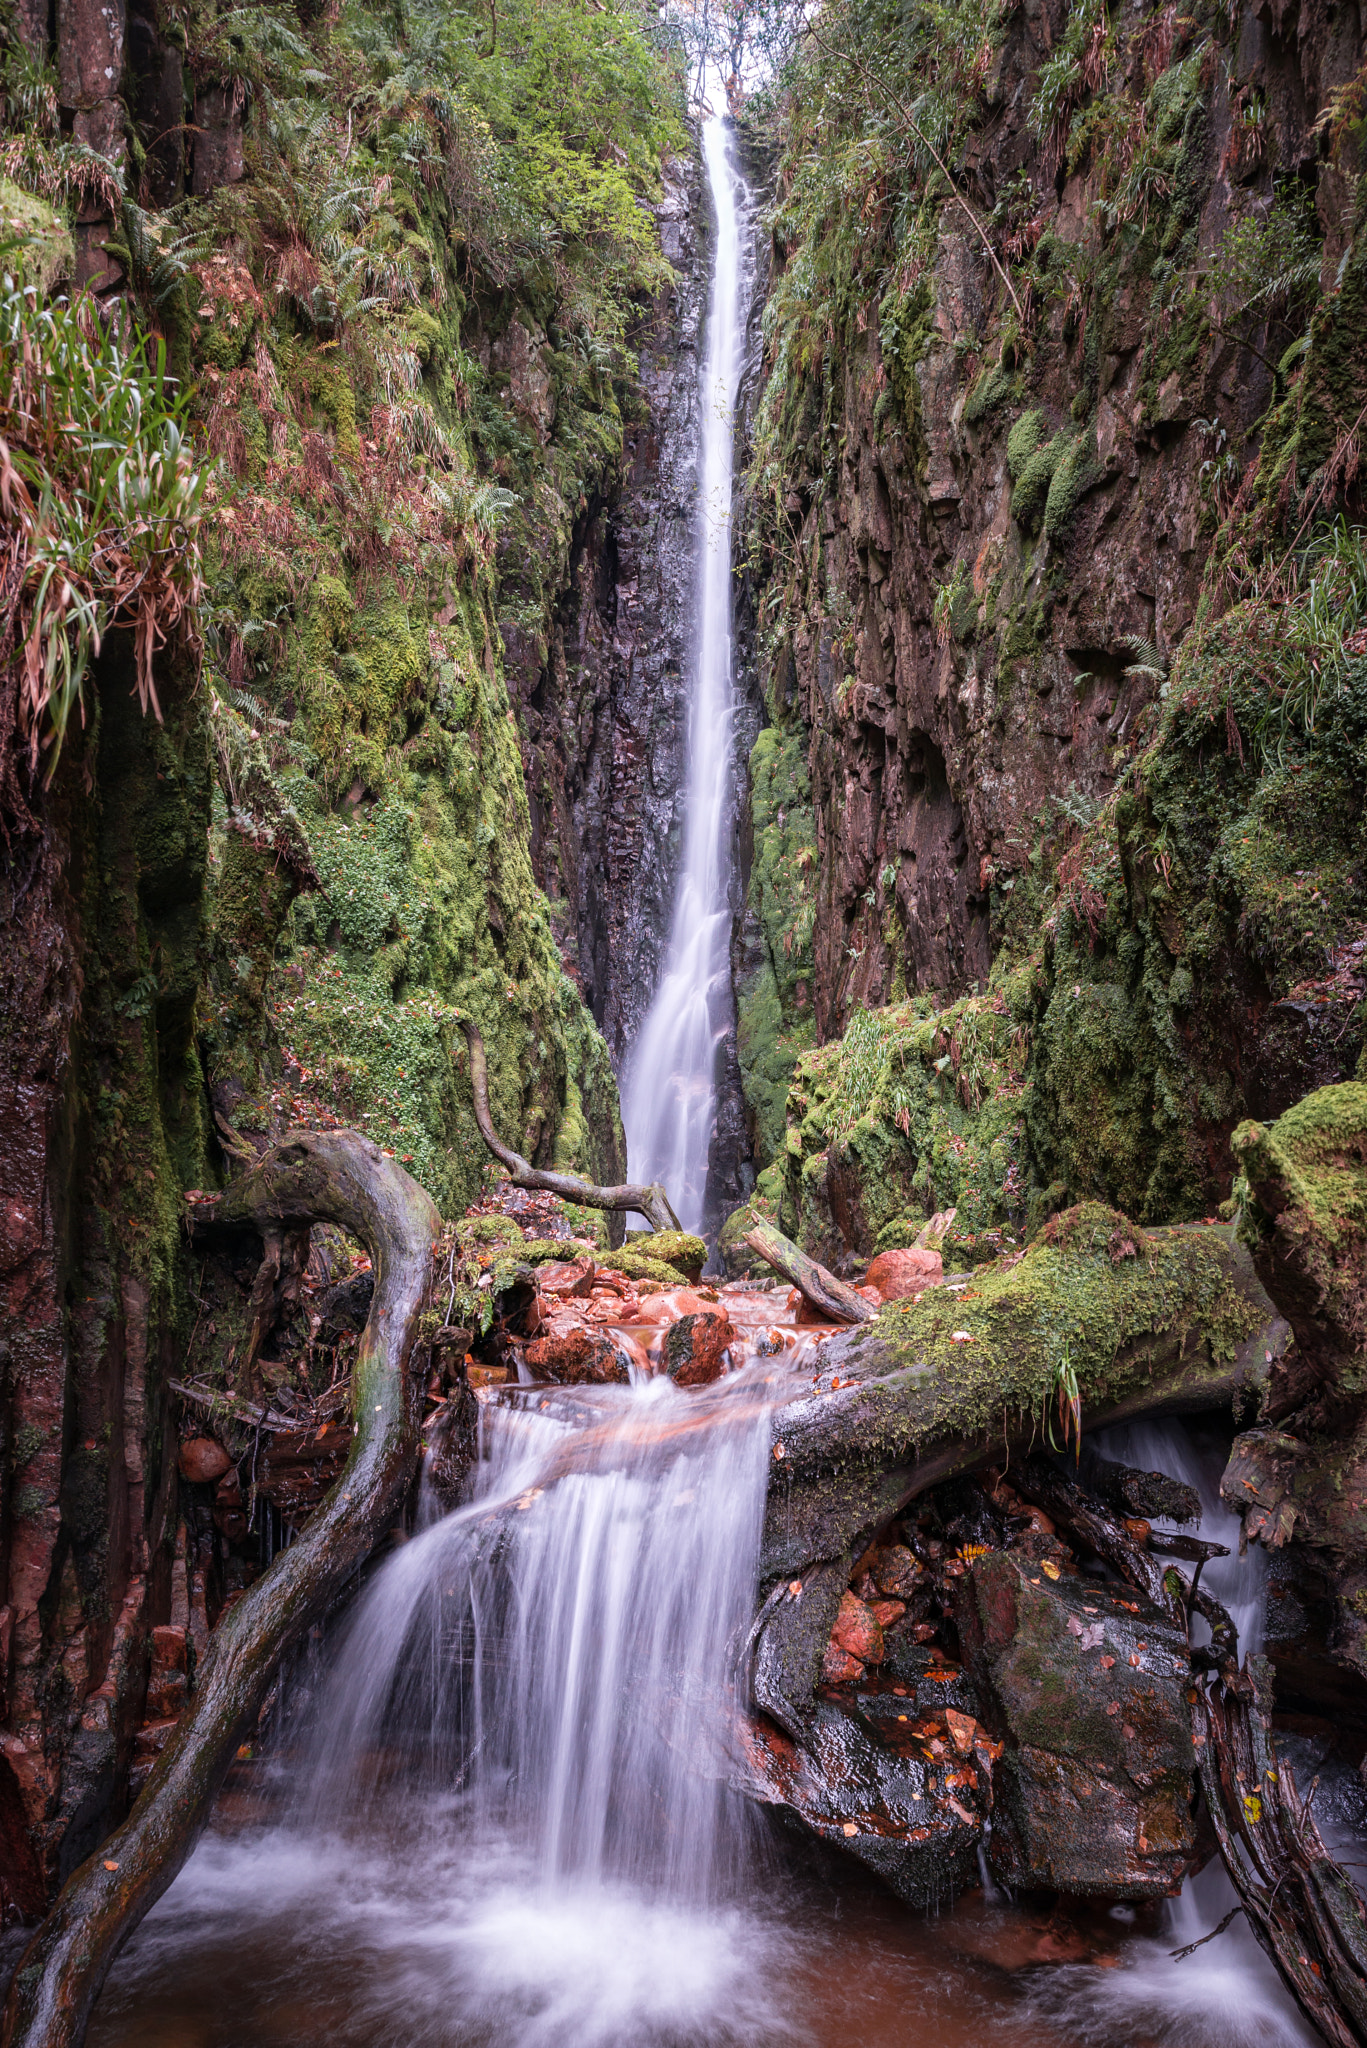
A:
[313,1177]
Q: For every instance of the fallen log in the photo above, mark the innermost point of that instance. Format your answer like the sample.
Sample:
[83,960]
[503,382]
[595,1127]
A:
[651,1202]
[827,1295]
[1303,1908]
[314,1176]
[1177,1321]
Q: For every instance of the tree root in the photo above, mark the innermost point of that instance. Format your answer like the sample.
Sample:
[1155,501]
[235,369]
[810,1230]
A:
[314,1176]
[651,1202]
[1303,1908]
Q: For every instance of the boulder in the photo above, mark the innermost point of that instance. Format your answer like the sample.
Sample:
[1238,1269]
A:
[1085,1684]
[694,1347]
[579,1357]
[896,1275]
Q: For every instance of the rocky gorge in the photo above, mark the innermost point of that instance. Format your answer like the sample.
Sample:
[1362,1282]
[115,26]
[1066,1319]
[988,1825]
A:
[352,397]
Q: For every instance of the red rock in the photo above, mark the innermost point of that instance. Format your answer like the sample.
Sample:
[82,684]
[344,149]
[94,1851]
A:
[857,1631]
[896,1573]
[837,1668]
[806,1317]
[577,1356]
[202,1460]
[886,1612]
[895,1275]
[694,1347]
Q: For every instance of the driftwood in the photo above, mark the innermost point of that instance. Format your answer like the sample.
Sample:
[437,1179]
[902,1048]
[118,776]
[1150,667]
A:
[651,1202]
[827,1295]
[337,1177]
[1303,1908]
[1095,1528]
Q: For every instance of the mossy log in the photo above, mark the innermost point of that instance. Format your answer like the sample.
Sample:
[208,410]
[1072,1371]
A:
[314,1176]
[827,1295]
[651,1202]
[1152,1322]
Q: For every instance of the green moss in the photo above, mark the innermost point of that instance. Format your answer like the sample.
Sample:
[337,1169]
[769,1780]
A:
[35,242]
[1075,472]
[1024,440]
[1030,493]
[1114,1296]
[776,1013]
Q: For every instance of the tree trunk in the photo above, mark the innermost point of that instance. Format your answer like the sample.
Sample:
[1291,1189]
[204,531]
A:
[337,1177]
[827,1295]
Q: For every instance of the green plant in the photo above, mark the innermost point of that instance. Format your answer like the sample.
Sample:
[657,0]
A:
[1063,1399]
[104,494]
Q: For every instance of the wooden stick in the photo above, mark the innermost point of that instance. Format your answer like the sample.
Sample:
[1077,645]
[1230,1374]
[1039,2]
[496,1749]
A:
[829,1296]
[651,1202]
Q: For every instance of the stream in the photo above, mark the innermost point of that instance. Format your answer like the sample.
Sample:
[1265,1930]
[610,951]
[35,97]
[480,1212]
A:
[505,1819]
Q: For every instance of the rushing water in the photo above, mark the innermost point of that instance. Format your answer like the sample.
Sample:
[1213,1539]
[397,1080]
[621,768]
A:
[668,1089]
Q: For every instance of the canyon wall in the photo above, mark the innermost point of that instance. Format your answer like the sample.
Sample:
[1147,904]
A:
[1037,804]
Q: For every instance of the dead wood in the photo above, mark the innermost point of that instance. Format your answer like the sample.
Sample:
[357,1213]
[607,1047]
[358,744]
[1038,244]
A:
[1300,1903]
[827,1295]
[314,1176]
[651,1202]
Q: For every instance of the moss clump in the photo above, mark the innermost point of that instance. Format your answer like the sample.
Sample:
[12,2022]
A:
[38,248]
[1030,493]
[677,1248]
[1075,472]
[1024,440]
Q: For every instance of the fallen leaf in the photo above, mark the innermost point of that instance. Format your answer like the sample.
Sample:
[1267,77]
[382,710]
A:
[851,1828]
[111,1866]
[1049,1568]
[1106,1663]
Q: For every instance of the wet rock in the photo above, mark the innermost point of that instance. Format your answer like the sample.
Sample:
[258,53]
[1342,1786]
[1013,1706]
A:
[896,1573]
[695,1347]
[857,1632]
[203,1460]
[897,1274]
[168,1678]
[1086,1686]
[229,1518]
[884,1782]
[579,1357]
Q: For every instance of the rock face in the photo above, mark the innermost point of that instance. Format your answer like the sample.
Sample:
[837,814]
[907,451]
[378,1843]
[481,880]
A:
[995,746]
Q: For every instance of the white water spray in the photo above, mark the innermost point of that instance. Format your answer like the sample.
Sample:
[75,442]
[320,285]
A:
[669,1087]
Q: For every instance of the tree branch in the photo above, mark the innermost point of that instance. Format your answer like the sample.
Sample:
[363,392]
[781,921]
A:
[314,1176]
[651,1202]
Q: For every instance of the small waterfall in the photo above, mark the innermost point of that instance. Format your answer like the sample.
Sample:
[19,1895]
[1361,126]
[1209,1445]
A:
[1228,1993]
[560,1652]
[668,1088]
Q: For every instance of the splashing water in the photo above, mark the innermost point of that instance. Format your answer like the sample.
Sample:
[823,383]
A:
[668,1088]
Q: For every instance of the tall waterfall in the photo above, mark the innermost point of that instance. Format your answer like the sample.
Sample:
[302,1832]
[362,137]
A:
[669,1090]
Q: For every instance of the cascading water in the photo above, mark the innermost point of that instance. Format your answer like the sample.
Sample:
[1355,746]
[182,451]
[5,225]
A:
[668,1089]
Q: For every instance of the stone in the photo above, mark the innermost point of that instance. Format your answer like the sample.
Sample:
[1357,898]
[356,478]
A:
[579,1357]
[857,1631]
[1085,1683]
[896,1275]
[202,1460]
[695,1347]
[896,1573]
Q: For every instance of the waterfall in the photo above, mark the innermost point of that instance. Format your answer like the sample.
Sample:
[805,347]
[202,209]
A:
[668,1088]
[562,1650]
